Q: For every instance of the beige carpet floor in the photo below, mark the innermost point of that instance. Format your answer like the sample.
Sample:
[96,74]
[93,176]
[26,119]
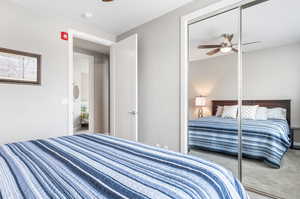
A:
[283,182]
[256,196]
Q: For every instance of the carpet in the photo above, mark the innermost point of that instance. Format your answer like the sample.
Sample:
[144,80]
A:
[283,182]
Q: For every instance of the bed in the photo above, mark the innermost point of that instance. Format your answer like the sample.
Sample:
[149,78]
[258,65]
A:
[98,166]
[266,140]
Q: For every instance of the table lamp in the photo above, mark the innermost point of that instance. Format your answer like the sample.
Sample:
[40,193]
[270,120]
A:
[200,102]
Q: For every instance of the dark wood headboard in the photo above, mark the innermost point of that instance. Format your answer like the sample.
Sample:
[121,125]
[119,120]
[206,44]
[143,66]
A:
[286,104]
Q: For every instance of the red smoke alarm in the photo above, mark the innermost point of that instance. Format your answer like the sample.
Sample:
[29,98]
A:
[64,36]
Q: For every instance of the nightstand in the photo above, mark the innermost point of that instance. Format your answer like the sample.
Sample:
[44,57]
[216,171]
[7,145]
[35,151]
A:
[293,129]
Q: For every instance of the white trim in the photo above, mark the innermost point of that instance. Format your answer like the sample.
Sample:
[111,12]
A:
[112,72]
[184,86]
[137,92]
[210,9]
[184,63]
[92,94]
[91,38]
[70,85]
[296,143]
[240,95]
[84,36]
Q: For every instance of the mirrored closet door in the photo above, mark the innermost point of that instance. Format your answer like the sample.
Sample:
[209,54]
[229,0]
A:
[213,86]
[271,97]
[246,59]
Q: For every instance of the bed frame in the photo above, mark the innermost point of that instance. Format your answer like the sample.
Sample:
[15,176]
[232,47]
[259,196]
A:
[286,104]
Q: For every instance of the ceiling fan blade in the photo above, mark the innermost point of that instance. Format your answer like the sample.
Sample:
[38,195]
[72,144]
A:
[230,37]
[255,42]
[209,46]
[235,50]
[214,51]
[248,43]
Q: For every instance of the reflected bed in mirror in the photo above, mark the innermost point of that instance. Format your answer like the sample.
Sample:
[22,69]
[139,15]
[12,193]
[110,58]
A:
[263,139]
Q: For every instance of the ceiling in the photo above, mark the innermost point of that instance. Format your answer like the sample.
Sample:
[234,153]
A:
[272,23]
[115,17]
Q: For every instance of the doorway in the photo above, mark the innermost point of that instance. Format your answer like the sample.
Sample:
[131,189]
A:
[91,87]
[119,79]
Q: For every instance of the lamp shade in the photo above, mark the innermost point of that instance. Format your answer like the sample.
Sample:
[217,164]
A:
[200,101]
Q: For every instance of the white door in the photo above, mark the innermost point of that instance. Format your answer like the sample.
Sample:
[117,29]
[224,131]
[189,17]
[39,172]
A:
[124,89]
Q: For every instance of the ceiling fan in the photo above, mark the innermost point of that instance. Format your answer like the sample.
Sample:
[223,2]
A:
[225,47]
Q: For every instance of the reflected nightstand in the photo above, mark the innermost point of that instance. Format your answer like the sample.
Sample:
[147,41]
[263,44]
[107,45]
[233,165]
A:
[293,129]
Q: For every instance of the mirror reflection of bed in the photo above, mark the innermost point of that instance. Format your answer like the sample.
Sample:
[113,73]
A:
[266,130]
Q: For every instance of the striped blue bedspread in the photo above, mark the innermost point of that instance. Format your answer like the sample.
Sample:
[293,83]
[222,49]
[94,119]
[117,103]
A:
[97,166]
[265,140]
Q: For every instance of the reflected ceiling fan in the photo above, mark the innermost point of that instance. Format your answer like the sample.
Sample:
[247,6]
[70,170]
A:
[225,47]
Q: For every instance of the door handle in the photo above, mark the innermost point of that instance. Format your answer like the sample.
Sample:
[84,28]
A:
[132,112]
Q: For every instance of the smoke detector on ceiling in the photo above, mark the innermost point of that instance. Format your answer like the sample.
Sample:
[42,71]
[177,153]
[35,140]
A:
[87,15]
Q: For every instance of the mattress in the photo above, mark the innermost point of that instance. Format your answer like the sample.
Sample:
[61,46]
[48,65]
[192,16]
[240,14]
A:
[266,140]
[97,166]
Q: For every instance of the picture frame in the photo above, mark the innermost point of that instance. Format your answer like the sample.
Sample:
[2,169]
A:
[18,67]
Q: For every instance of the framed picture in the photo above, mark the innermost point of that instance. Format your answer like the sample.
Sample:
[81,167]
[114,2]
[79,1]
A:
[19,67]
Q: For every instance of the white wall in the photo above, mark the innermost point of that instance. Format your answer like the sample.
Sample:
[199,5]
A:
[215,78]
[268,74]
[159,77]
[101,93]
[85,87]
[30,112]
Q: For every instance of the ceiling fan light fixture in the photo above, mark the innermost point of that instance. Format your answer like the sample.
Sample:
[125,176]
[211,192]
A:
[226,49]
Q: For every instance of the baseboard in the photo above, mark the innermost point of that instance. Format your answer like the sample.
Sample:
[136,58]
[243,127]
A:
[262,193]
[297,144]
[77,128]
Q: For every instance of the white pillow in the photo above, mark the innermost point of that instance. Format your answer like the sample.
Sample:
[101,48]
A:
[261,113]
[277,113]
[219,111]
[249,112]
[230,112]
